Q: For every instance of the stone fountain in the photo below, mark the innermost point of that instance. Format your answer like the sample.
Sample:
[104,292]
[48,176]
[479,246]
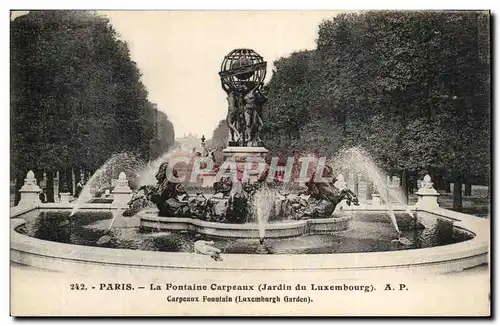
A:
[230,213]
[234,207]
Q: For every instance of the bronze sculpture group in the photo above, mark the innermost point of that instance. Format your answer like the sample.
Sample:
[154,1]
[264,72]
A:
[242,78]
[244,117]
[232,200]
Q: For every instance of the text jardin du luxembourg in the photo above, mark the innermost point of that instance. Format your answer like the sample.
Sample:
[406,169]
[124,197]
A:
[261,287]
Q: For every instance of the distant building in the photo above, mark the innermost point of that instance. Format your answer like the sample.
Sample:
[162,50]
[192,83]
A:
[189,142]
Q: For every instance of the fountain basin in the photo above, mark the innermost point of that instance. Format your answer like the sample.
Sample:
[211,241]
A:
[441,259]
[149,219]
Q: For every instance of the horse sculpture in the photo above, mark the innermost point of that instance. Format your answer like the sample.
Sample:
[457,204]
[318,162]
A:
[318,201]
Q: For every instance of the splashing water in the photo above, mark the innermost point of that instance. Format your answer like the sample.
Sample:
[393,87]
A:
[135,169]
[138,173]
[115,215]
[147,173]
[393,218]
[263,205]
[122,162]
[106,237]
[360,161]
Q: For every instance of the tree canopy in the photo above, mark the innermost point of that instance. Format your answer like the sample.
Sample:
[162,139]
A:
[76,95]
[412,88]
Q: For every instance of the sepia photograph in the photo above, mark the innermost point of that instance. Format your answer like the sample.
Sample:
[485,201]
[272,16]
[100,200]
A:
[250,163]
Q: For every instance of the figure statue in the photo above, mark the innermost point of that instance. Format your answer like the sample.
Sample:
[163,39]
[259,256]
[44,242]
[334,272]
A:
[254,100]
[242,75]
[168,188]
[229,203]
[223,186]
[198,206]
[232,114]
[260,100]
[210,152]
[237,210]
[168,196]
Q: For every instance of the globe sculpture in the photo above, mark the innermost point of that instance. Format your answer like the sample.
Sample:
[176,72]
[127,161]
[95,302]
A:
[242,70]
[242,78]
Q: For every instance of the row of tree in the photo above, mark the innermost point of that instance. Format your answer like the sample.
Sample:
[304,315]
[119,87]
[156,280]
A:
[77,97]
[412,88]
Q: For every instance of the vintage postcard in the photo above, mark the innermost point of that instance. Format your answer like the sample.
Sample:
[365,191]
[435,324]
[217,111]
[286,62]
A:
[250,163]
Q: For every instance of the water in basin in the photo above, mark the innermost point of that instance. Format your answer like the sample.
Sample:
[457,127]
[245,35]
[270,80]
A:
[367,232]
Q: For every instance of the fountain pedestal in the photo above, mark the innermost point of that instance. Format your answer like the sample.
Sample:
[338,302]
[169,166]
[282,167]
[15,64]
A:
[30,191]
[208,179]
[65,197]
[427,195]
[246,158]
[376,200]
[122,192]
[261,249]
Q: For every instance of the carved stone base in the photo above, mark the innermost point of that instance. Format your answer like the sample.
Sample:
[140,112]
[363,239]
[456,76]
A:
[240,150]
[149,219]
[427,199]
[246,158]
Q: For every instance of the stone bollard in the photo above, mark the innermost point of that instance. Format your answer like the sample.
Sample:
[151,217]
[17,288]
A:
[65,197]
[376,200]
[30,191]
[122,192]
[427,195]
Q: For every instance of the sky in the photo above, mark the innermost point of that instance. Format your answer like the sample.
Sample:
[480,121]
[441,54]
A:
[180,52]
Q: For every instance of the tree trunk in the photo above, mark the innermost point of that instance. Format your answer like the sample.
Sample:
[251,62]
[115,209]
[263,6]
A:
[356,184]
[73,182]
[405,184]
[438,180]
[69,180]
[468,189]
[50,187]
[409,186]
[57,186]
[457,195]
[448,187]
[19,183]
[65,181]
[412,185]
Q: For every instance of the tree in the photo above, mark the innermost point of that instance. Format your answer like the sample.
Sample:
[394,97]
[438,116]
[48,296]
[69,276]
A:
[410,87]
[76,95]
